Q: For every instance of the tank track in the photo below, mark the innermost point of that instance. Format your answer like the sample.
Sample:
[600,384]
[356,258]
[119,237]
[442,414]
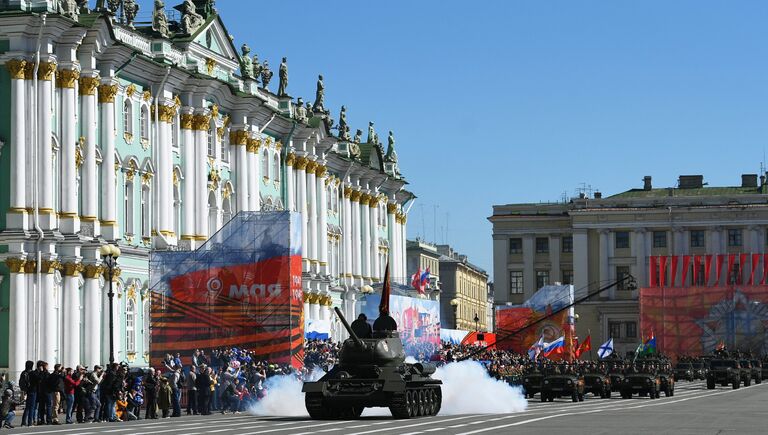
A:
[319,410]
[416,402]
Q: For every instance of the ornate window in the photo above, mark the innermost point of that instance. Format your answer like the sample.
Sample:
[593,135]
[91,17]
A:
[265,163]
[225,147]
[144,124]
[145,224]
[276,167]
[128,117]
[128,207]
[212,140]
[130,326]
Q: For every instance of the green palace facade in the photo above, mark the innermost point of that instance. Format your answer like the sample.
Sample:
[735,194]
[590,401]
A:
[151,138]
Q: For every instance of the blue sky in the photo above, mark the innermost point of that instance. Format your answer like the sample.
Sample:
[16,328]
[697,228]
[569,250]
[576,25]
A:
[512,101]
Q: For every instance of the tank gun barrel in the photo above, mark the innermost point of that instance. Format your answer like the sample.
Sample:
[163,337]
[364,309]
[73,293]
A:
[348,328]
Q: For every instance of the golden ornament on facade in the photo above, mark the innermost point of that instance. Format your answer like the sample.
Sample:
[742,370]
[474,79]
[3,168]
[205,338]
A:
[116,271]
[175,178]
[15,264]
[301,163]
[29,70]
[314,298]
[167,113]
[355,195]
[72,269]
[201,122]
[88,85]
[253,145]
[227,191]
[290,159]
[45,71]
[269,140]
[130,291]
[107,93]
[93,271]
[326,301]
[146,178]
[66,78]
[311,165]
[391,208]
[220,133]
[210,64]
[16,68]
[215,110]
[30,266]
[347,191]
[214,177]
[146,95]
[129,174]
[238,137]
[365,199]
[278,145]
[177,102]
[79,152]
[48,266]
[320,171]
[186,121]
[374,202]
[130,90]
[227,120]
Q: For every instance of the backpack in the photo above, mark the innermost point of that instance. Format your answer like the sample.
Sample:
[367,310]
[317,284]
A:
[24,381]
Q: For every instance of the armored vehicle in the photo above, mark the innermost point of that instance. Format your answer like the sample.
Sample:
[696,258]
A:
[616,374]
[699,370]
[757,371]
[598,384]
[724,372]
[642,384]
[532,383]
[562,385]
[765,368]
[684,371]
[667,380]
[372,372]
[746,372]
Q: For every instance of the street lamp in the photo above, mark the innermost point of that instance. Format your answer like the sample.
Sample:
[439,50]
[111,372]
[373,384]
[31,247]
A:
[477,327]
[110,253]
[455,305]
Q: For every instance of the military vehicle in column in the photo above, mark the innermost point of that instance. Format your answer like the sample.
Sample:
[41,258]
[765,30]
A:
[684,371]
[746,372]
[699,370]
[724,371]
[562,385]
[643,382]
[532,383]
[615,372]
[372,372]
[597,382]
[757,371]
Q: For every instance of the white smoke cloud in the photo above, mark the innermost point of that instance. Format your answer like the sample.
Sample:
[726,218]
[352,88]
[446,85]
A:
[463,383]
[467,381]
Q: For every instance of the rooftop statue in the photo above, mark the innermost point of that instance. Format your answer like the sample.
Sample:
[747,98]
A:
[345,135]
[190,19]
[130,9]
[301,111]
[358,136]
[319,95]
[257,68]
[69,9]
[391,154]
[246,67]
[342,121]
[159,19]
[266,74]
[83,6]
[209,8]
[113,5]
[371,133]
[310,111]
[283,76]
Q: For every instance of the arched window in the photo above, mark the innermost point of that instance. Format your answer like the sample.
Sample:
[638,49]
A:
[212,214]
[225,146]
[226,207]
[212,140]
[175,132]
[329,199]
[145,224]
[265,163]
[145,321]
[144,124]
[176,208]
[276,166]
[130,326]
[128,206]
[128,116]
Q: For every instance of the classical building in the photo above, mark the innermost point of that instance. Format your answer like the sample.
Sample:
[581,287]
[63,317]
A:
[591,242]
[464,292]
[420,256]
[152,138]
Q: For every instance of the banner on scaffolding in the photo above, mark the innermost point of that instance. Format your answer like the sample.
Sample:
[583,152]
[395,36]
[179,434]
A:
[241,288]
[418,321]
[694,320]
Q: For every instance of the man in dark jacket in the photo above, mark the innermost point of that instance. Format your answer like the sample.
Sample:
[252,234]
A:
[28,382]
[203,384]
[361,328]
[191,385]
[150,394]
[43,395]
[56,388]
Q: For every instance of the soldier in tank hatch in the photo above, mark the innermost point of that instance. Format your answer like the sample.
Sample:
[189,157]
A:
[361,327]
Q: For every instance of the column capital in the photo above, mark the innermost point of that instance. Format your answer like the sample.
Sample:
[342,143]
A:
[201,122]
[355,195]
[88,85]
[347,191]
[16,68]
[66,78]
[45,71]
[186,121]
[290,159]
[320,171]
[116,271]
[48,266]
[15,264]
[236,137]
[107,93]
[30,266]
[72,268]
[365,199]
[93,271]
[391,208]
[253,144]
[311,165]
[165,114]
[301,163]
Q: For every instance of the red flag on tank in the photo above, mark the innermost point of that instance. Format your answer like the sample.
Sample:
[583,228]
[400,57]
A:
[385,291]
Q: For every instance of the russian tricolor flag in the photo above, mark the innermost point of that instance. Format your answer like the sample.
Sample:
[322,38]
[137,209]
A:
[556,347]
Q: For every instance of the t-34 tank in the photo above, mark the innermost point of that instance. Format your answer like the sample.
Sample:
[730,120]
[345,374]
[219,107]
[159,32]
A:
[372,372]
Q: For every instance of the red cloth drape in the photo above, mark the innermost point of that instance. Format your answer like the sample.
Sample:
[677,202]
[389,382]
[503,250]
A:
[686,265]
[662,270]
[755,260]
[707,268]
[742,262]
[653,281]
[731,260]
[673,275]
[696,266]
[718,267]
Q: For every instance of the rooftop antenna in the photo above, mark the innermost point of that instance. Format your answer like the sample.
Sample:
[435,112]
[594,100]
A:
[423,225]
[434,228]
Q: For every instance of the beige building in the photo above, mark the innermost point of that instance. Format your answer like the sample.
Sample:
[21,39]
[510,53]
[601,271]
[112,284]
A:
[464,292]
[589,242]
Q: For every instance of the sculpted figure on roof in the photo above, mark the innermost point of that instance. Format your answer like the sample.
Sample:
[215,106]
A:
[301,111]
[246,67]
[343,123]
[159,19]
[358,136]
[190,19]
[319,95]
[130,9]
[68,8]
[283,76]
[371,133]
[266,74]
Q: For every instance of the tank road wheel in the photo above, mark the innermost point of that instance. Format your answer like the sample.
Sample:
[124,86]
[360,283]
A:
[438,400]
[543,396]
[399,406]
[412,406]
[710,384]
[421,403]
[314,404]
[737,384]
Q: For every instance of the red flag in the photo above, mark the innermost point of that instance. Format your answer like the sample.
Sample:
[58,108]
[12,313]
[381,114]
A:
[720,345]
[707,268]
[385,291]
[765,269]
[742,261]
[718,267]
[653,281]
[662,270]
[731,260]
[673,275]
[584,346]
[416,280]
[696,266]
[686,265]
[755,260]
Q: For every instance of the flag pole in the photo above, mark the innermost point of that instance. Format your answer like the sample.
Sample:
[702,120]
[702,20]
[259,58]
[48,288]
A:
[589,334]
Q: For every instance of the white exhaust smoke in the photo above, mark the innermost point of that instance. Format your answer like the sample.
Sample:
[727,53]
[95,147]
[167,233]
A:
[463,384]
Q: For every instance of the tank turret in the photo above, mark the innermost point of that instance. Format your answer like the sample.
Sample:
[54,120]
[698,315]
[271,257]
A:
[372,372]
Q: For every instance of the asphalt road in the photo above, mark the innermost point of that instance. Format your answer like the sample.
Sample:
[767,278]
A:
[692,410]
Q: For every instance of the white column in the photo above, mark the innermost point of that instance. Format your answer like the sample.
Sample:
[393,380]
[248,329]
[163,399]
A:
[365,233]
[239,145]
[165,171]
[403,243]
[48,335]
[16,216]
[374,226]
[322,220]
[290,188]
[391,208]
[254,169]
[604,255]
[17,317]
[70,222]
[108,220]
[356,241]
[189,185]
[347,231]
[301,183]
[92,321]
[89,182]
[580,260]
[201,124]
[314,309]
[312,213]
[70,334]
[45,153]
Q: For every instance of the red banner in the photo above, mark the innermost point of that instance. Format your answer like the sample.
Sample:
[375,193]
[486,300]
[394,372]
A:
[693,320]
[707,268]
[755,261]
[696,267]
[742,261]
[653,281]
[673,275]
[729,272]
[662,270]
[718,267]
[765,269]
[686,265]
